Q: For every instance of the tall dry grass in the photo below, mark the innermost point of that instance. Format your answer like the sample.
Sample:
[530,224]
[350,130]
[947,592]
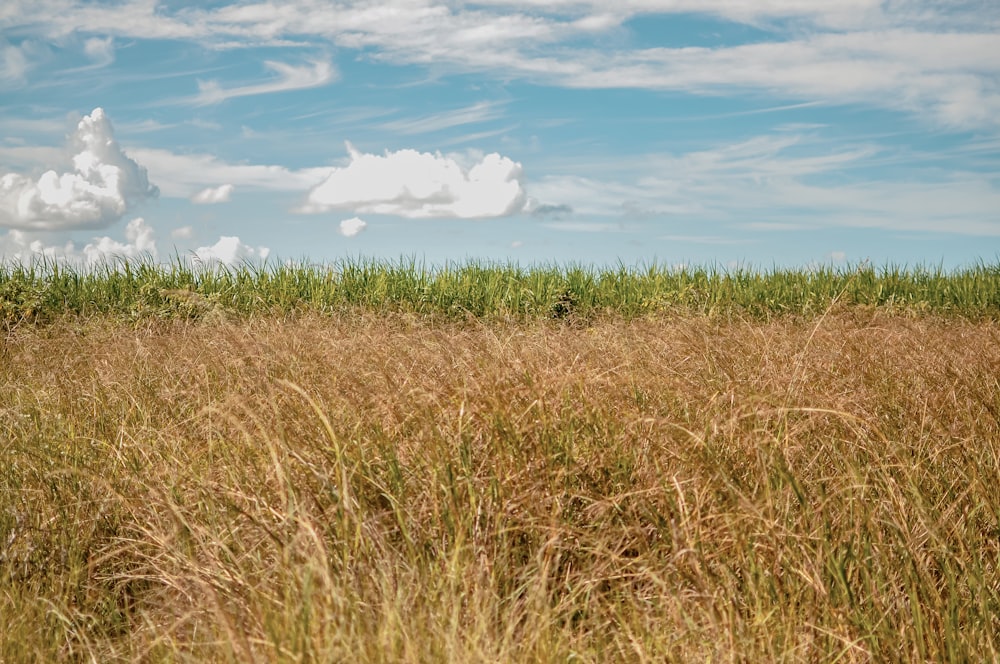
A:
[393,488]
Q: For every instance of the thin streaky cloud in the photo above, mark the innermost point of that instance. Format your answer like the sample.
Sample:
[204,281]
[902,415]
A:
[474,114]
[289,77]
[184,175]
[917,58]
[477,136]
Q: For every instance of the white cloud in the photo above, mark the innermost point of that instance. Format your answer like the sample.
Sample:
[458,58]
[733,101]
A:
[184,175]
[481,112]
[211,195]
[774,183]
[289,77]
[351,227]
[182,233]
[230,250]
[20,247]
[13,64]
[942,77]
[140,243]
[924,57]
[103,185]
[100,51]
[415,184]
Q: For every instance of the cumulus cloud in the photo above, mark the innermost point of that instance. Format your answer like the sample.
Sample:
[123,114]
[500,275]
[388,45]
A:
[230,251]
[353,226]
[19,246]
[140,243]
[213,195]
[103,185]
[415,184]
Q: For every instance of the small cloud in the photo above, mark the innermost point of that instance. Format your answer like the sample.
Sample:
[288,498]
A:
[547,211]
[229,250]
[13,64]
[103,185]
[415,184]
[516,244]
[289,77]
[211,195]
[351,227]
[100,51]
[182,233]
[140,241]
[838,256]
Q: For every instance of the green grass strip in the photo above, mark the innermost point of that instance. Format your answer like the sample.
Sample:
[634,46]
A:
[43,289]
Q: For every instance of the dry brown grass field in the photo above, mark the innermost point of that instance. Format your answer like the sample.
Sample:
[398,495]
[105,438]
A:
[393,488]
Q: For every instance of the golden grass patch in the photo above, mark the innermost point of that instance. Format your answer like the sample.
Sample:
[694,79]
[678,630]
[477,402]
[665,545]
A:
[366,487]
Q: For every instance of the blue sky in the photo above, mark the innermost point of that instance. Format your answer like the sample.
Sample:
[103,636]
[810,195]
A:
[717,132]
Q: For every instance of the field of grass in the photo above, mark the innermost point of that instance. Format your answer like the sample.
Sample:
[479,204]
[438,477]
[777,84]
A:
[142,290]
[379,464]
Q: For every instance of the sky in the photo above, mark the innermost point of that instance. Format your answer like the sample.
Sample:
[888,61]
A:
[767,133]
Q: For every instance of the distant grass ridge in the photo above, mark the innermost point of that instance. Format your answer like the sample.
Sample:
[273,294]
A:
[43,289]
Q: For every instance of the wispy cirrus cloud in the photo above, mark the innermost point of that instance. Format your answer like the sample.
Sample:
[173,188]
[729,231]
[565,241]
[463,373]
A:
[288,77]
[474,114]
[184,175]
[775,183]
[922,57]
